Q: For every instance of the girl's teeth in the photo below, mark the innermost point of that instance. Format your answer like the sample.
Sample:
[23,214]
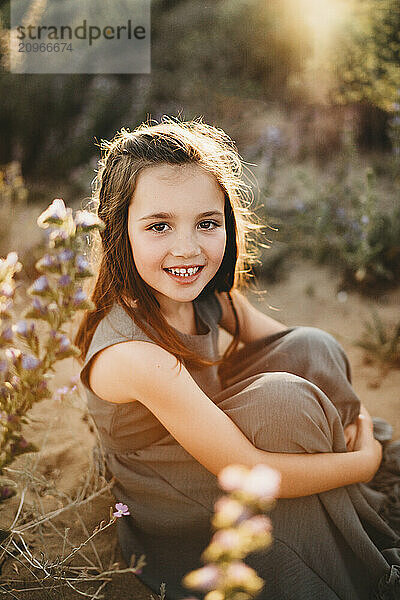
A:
[184,272]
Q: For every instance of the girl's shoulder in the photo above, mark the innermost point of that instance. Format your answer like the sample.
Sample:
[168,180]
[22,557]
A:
[115,327]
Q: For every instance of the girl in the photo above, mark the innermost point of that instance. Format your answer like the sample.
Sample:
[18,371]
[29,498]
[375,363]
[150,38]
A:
[175,252]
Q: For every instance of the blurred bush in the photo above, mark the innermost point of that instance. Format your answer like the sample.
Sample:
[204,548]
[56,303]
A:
[346,217]
[381,342]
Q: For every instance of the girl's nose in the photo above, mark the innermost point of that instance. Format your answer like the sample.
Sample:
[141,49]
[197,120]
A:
[185,246]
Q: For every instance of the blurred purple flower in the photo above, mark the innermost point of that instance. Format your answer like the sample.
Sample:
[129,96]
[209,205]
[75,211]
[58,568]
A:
[23,328]
[121,510]
[64,343]
[48,261]
[13,354]
[29,362]
[85,220]
[5,492]
[66,255]
[365,219]
[79,297]
[81,262]
[55,213]
[64,280]
[57,237]
[7,334]
[40,286]
[3,366]
[39,307]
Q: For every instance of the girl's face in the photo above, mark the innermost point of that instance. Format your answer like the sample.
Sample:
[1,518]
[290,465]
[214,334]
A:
[176,228]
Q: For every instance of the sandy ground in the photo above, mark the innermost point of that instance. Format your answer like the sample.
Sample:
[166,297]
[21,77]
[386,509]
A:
[307,297]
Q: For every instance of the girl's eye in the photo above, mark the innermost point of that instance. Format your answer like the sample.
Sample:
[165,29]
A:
[157,225]
[213,224]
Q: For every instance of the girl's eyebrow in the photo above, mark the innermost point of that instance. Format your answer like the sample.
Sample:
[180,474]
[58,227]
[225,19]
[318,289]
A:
[164,215]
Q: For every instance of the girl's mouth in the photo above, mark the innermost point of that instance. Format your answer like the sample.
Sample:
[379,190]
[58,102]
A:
[184,276]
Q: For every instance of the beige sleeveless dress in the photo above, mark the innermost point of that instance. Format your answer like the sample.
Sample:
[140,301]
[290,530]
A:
[289,392]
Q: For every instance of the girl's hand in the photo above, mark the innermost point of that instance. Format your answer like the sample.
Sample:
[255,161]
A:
[350,434]
[367,444]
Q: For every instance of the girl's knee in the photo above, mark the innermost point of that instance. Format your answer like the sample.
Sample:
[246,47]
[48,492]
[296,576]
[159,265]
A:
[312,338]
[291,415]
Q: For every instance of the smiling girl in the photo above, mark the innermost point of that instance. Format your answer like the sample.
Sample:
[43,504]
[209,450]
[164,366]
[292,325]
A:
[175,257]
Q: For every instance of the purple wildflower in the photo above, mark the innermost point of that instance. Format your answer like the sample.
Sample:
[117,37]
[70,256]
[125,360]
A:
[5,492]
[39,307]
[365,219]
[13,354]
[79,297]
[7,334]
[81,263]
[23,329]
[64,343]
[40,286]
[85,220]
[122,510]
[57,237]
[55,214]
[3,366]
[29,362]
[64,280]
[66,255]
[48,261]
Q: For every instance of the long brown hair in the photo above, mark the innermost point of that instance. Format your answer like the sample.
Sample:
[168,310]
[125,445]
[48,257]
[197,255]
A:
[170,142]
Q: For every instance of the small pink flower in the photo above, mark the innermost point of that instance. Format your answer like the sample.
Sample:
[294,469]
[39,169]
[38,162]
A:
[262,482]
[229,512]
[227,539]
[204,579]
[257,525]
[122,510]
[232,477]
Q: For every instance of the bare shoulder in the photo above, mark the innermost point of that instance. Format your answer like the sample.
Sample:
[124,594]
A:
[120,372]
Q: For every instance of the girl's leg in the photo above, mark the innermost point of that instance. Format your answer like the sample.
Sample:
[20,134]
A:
[322,534]
[308,352]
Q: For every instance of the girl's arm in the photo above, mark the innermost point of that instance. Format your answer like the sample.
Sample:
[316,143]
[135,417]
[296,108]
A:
[145,372]
[254,324]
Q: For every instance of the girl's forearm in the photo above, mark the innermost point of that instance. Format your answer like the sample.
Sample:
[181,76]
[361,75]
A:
[307,474]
